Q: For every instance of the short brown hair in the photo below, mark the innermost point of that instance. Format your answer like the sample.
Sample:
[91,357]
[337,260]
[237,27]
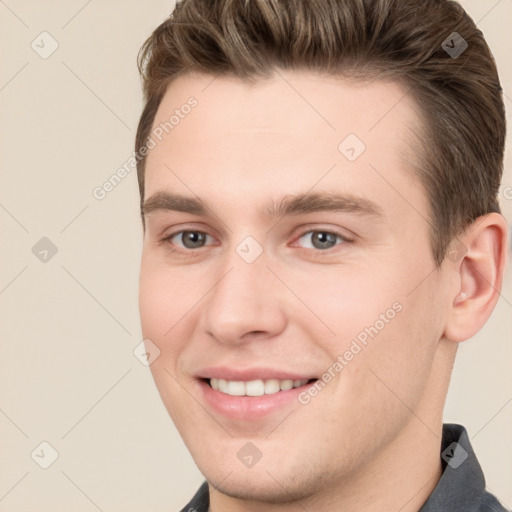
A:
[460,97]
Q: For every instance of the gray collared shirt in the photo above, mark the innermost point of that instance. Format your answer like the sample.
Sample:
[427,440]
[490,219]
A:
[460,489]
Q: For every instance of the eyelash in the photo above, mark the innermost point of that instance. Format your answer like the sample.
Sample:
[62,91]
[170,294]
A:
[343,238]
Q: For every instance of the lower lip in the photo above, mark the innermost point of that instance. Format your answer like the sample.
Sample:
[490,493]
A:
[248,408]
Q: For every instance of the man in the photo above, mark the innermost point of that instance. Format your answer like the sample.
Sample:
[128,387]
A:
[319,187]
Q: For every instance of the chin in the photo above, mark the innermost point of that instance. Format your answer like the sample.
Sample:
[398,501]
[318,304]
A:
[270,480]
[266,489]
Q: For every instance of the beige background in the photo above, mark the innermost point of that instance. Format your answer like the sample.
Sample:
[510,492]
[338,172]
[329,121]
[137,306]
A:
[67,372]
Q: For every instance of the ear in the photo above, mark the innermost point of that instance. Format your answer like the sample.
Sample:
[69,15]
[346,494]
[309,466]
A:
[479,257]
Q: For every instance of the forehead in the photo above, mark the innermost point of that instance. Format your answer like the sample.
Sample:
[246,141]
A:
[283,133]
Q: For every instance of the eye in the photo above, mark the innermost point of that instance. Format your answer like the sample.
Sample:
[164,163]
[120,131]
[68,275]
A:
[323,240]
[188,239]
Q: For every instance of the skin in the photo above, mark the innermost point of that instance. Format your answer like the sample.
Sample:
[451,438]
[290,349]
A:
[370,440]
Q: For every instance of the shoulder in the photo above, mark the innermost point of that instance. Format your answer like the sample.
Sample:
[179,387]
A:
[489,503]
[201,500]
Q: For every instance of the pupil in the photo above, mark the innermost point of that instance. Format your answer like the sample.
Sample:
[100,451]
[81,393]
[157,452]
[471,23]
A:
[193,239]
[323,239]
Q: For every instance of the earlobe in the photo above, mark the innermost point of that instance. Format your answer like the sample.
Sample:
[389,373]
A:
[480,277]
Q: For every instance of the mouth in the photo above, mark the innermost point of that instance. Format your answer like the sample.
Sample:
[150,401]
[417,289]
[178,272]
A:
[249,401]
[255,388]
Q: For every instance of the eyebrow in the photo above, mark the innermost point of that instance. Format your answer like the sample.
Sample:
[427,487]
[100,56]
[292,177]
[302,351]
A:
[286,206]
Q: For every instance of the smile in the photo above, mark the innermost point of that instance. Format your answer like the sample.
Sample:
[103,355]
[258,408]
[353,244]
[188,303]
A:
[256,387]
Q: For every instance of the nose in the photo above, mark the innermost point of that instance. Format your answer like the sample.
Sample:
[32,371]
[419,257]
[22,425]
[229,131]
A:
[245,303]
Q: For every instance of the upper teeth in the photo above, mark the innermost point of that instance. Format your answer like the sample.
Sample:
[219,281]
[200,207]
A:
[254,387]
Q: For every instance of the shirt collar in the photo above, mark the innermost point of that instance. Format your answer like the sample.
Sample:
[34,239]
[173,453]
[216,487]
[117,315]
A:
[462,484]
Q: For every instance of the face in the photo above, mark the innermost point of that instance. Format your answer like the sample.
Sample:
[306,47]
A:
[278,252]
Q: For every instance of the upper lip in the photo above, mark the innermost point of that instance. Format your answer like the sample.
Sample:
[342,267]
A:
[248,374]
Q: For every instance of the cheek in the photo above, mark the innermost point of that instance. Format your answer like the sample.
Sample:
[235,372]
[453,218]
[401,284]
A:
[346,304]
[161,307]
[161,303]
[168,306]
[163,294]
[396,363]
[385,336]
[152,304]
